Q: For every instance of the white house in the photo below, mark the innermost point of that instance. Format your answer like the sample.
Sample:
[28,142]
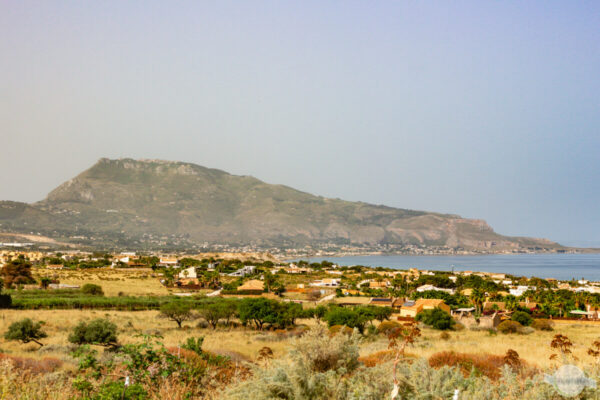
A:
[425,288]
[327,282]
[168,262]
[246,270]
[518,291]
[188,273]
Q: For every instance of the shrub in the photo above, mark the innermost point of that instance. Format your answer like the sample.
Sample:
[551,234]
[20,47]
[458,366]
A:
[98,331]
[194,345]
[43,366]
[480,364]
[543,325]
[334,330]
[118,390]
[509,327]
[26,331]
[436,318]
[458,326]
[377,358]
[526,330]
[444,336]
[318,367]
[386,326]
[522,317]
[92,290]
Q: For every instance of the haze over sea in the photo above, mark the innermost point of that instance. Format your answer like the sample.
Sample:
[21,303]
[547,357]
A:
[559,266]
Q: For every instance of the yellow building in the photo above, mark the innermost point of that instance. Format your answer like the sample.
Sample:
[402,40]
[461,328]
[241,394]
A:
[411,308]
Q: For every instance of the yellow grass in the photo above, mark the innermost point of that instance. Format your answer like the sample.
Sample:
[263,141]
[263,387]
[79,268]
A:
[113,281]
[59,323]
[534,347]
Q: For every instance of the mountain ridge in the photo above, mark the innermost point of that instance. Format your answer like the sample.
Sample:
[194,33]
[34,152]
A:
[141,201]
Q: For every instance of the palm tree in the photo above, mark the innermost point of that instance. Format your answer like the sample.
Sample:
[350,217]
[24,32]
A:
[478,298]
[579,298]
[560,304]
[511,303]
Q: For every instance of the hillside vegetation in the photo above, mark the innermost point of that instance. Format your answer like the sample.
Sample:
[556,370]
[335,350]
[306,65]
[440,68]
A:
[145,201]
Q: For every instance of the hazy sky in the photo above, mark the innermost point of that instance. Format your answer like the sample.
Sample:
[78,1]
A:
[485,109]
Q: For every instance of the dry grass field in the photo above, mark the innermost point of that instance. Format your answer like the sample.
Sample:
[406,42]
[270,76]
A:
[134,282]
[236,343]
[240,343]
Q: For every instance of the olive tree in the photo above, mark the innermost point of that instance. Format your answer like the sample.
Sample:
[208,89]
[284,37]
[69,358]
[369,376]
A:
[177,311]
[26,331]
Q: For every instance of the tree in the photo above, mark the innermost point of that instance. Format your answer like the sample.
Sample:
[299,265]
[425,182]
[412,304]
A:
[278,288]
[217,311]
[436,318]
[26,331]
[98,331]
[17,272]
[346,317]
[382,313]
[258,311]
[511,303]
[478,298]
[286,314]
[270,280]
[45,282]
[5,299]
[177,311]
[319,312]
[92,290]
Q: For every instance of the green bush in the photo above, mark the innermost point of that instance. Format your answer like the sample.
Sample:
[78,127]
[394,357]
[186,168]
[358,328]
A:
[92,290]
[26,331]
[522,317]
[98,331]
[194,344]
[509,327]
[543,325]
[118,390]
[436,318]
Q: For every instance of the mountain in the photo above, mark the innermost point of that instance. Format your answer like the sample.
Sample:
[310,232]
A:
[152,202]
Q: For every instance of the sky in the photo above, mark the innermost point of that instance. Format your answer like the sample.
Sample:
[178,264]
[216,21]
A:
[485,109]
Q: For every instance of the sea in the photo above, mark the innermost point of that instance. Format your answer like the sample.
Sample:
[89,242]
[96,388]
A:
[559,266]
